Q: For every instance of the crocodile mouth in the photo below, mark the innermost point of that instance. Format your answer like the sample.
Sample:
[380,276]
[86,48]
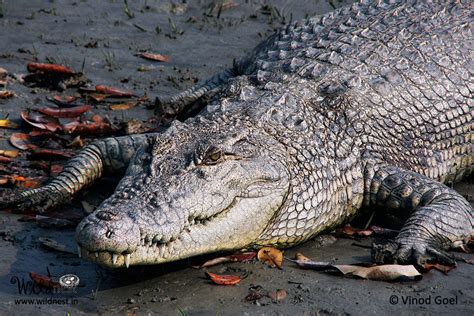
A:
[150,244]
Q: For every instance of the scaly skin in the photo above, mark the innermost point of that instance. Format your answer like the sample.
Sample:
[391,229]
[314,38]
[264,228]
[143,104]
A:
[368,106]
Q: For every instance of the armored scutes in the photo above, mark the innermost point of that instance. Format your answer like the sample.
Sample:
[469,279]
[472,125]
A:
[367,106]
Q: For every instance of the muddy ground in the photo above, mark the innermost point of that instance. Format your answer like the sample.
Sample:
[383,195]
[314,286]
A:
[101,38]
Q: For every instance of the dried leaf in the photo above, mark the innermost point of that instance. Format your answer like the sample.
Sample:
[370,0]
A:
[65,99]
[439,267]
[49,154]
[278,296]
[9,153]
[243,257]
[26,183]
[224,279]
[271,256]
[155,57]
[8,124]
[123,106]
[77,142]
[49,68]
[22,141]
[349,231]
[44,281]
[5,94]
[71,112]
[41,121]
[113,91]
[388,272]
[53,244]
[89,128]
[5,160]
[300,257]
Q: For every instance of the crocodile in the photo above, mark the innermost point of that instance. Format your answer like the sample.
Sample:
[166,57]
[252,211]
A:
[366,107]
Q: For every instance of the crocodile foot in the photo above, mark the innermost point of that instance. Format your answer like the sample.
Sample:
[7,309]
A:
[413,252]
[40,199]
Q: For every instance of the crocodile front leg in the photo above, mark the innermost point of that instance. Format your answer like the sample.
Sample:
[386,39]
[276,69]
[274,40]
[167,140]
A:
[108,155]
[441,219]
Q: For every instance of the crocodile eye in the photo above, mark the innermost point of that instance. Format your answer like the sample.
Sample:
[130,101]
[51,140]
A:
[213,156]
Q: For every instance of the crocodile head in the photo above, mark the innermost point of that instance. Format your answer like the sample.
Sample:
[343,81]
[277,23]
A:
[202,187]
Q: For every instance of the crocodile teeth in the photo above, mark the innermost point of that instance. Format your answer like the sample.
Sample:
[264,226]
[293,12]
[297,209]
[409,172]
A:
[127,260]
[79,251]
[114,258]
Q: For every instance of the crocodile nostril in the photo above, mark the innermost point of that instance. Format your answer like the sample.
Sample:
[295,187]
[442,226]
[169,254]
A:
[108,215]
[109,234]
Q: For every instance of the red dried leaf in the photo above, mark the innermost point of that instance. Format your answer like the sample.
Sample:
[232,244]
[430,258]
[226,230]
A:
[123,106]
[155,57]
[5,159]
[348,230]
[41,121]
[64,99]
[243,257]
[90,128]
[113,91]
[6,94]
[22,141]
[50,68]
[44,280]
[224,279]
[439,267]
[49,154]
[65,112]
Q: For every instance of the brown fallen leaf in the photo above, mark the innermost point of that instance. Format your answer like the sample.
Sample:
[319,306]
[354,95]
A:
[155,57]
[278,295]
[300,257]
[71,112]
[113,91]
[22,141]
[349,231]
[55,170]
[77,142]
[44,280]
[388,272]
[5,94]
[8,124]
[122,106]
[439,267]
[41,121]
[224,279]
[271,256]
[49,68]
[9,153]
[243,257]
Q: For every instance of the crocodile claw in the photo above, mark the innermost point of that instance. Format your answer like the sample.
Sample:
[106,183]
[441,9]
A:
[416,253]
[40,199]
